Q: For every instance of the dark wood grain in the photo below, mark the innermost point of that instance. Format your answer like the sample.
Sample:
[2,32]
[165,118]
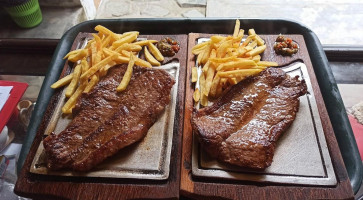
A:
[57,187]
[207,189]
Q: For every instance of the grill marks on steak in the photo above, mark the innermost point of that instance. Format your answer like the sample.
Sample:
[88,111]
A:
[242,126]
[106,121]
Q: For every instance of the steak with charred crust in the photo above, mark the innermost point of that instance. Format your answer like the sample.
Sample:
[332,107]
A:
[105,121]
[243,126]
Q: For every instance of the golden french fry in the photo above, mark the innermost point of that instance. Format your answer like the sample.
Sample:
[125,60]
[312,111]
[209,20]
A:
[247,41]
[240,33]
[240,78]
[200,46]
[251,31]
[84,65]
[199,58]
[256,50]
[231,52]
[108,52]
[139,62]
[205,68]
[209,79]
[126,53]
[121,59]
[155,51]
[222,85]
[101,35]
[98,41]
[127,76]
[206,53]
[142,63]
[253,44]
[217,39]
[197,51]
[98,57]
[223,81]
[69,105]
[209,73]
[259,40]
[232,81]
[103,70]
[237,40]
[213,53]
[127,39]
[128,47]
[239,64]
[89,43]
[144,42]
[236,28]
[223,60]
[259,67]
[201,82]
[106,41]
[256,58]
[72,52]
[224,39]
[241,51]
[267,64]
[98,66]
[203,98]
[128,33]
[93,53]
[73,84]
[79,55]
[150,58]
[194,74]
[222,49]
[248,48]
[63,81]
[214,86]
[238,73]
[77,51]
[196,95]
[106,31]
[91,83]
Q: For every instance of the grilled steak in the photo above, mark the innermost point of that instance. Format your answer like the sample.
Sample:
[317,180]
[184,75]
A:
[242,126]
[104,121]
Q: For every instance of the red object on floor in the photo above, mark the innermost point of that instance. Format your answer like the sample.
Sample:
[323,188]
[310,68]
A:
[358,133]
[15,94]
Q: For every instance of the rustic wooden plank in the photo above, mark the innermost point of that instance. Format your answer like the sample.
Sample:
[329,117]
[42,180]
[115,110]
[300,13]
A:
[44,186]
[207,188]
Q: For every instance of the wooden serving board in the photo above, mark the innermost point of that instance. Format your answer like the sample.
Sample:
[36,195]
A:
[50,185]
[230,185]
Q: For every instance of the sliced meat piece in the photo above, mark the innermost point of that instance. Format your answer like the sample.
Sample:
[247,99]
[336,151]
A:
[106,121]
[243,125]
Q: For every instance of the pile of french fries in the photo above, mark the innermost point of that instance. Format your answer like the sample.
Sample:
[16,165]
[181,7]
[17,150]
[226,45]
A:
[101,53]
[225,61]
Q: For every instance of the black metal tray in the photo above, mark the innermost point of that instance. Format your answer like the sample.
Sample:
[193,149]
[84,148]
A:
[328,87]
